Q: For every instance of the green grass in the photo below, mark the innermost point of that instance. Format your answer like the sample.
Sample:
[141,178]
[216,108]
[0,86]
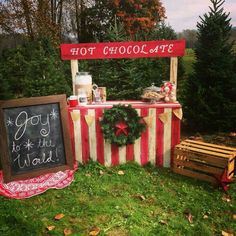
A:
[188,61]
[143,201]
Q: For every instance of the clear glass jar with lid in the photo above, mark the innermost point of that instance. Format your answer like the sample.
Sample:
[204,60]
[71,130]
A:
[152,94]
[83,82]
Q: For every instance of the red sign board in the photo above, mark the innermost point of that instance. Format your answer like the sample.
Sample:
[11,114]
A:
[163,48]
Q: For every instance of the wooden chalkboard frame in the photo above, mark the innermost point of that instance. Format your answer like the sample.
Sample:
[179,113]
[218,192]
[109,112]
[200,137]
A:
[8,176]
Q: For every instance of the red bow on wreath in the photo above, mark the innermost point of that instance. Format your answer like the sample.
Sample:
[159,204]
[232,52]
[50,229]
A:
[121,127]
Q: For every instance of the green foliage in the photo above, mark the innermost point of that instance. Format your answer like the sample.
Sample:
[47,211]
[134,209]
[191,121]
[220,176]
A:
[210,102]
[144,201]
[130,117]
[126,78]
[34,69]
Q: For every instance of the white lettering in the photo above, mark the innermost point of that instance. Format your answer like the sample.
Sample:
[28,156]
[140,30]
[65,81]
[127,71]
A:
[122,50]
[170,48]
[22,121]
[142,49]
[91,50]
[74,51]
[105,50]
[136,49]
[129,48]
[83,51]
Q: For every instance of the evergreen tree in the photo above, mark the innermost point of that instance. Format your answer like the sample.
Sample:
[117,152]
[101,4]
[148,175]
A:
[210,102]
[33,69]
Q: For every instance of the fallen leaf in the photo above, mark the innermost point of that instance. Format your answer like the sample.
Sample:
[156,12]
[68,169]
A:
[101,172]
[234,216]
[205,217]
[140,196]
[88,175]
[51,227]
[226,198]
[67,231]
[94,231]
[190,218]
[224,233]
[163,222]
[121,172]
[59,216]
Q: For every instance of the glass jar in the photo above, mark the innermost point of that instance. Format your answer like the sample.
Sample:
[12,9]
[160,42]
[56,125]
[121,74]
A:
[83,81]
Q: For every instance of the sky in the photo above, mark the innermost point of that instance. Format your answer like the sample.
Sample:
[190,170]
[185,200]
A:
[184,14]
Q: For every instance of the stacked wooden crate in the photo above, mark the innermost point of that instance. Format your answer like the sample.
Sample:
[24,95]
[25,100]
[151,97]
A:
[204,161]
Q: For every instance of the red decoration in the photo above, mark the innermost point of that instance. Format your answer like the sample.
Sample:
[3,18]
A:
[224,181]
[121,128]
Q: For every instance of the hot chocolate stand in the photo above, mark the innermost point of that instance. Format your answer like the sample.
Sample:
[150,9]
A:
[162,118]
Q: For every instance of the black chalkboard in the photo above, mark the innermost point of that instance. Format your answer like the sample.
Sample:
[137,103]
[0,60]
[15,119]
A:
[34,137]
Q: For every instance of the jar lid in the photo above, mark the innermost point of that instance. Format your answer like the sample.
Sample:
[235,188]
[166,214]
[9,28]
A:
[82,73]
[153,88]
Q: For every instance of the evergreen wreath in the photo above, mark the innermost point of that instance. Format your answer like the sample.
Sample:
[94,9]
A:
[121,125]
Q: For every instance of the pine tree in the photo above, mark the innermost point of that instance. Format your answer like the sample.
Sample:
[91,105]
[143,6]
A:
[210,102]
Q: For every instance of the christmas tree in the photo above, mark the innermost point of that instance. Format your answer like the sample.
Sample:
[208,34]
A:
[210,101]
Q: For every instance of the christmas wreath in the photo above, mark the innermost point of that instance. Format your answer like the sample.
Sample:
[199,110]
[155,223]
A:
[121,125]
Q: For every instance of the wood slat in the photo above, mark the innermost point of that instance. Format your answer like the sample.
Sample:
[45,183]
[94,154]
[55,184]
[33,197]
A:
[199,150]
[193,174]
[211,160]
[200,167]
[211,145]
[208,148]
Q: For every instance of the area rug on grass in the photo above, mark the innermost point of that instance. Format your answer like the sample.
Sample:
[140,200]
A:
[28,188]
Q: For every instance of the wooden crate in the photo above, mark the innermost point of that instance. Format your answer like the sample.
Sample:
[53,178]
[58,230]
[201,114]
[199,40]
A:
[203,161]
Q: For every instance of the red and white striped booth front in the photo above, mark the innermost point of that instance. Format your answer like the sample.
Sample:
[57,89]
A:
[156,144]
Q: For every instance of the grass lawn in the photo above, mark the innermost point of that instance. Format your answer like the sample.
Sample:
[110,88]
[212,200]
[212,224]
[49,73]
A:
[188,61]
[124,200]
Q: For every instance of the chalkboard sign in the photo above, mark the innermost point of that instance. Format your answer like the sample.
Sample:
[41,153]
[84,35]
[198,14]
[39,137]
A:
[34,137]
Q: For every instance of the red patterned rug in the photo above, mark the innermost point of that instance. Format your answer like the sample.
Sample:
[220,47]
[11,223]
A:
[31,187]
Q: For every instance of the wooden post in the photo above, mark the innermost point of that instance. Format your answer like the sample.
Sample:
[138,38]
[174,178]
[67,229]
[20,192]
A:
[174,71]
[74,69]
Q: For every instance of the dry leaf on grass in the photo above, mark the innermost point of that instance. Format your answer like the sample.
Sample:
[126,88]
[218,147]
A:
[94,231]
[190,218]
[67,231]
[121,172]
[163,222]
[101,172]
[205,217]
[88,175]
[140,196]
[226,198]
[59,216]
[51,227]
[224,233]
[234,216]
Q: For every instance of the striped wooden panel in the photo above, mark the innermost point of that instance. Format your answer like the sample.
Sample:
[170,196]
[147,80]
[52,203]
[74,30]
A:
[152,136]
[167,138]
[92,138]
[137,146]
[77,135]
